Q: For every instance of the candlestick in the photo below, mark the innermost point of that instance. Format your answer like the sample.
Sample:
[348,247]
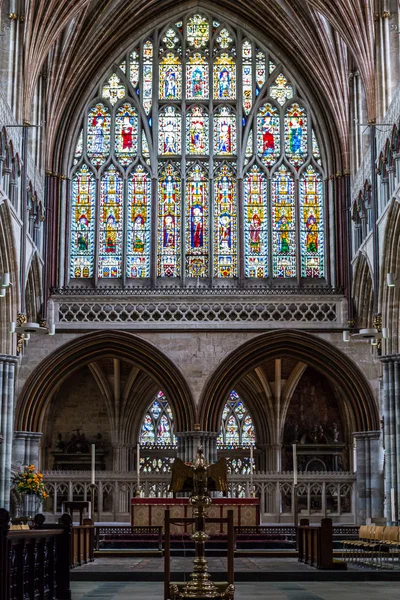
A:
[294,464]
[251,469]
[93,463]
[393,505]
[138,468]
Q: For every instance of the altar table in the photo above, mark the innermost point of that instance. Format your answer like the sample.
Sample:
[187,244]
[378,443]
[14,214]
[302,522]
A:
[147,512]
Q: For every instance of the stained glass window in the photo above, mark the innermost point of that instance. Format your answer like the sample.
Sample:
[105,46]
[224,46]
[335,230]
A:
[224,131]
[197,131]
[197,223]
[147,76]
[98,134]
[283,224]
[225,234]
[237,430]
[281,91]
[139,228]
[256,224]
[83,223]
[197,77]
[169,131]
[158,424]
[247,76]
[296,135]
[224,77]
[170,77]
[126,134]
[114,90]
[268,134]
[312,227]
[111,224]
[178,117]
[169,223]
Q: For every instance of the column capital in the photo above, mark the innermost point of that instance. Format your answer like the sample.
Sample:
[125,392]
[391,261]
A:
[196,434]
[9,358]
[390,358]
[367,435]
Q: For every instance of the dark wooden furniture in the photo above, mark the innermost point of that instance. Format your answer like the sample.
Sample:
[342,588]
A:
[78,505]
[190,521]
[35,563]
[82,547]
[315,545]
[117,534]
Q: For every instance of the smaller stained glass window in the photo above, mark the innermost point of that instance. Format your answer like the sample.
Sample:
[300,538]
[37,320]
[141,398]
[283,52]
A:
[268,134]
[197,78]
[170,77]
[224,77]
[122,66]
[249,147]
[260,69]
[145,147]
[111,224]
[197,223]
[134,68]
[139,224]
[224,131]
[224,39]
[147,76]
[79,148]
[158,424]
[272,67]
[126,134]
[281,91]
[169,223]
[98,134]
[197,131]
[198,31]
[283,225]
[170,38]
[237,430]
[225,234]
[256,219]
[82,223]
[169,131]
[247,77]
[296,135]
[114,90]
[312,227]
[315,148]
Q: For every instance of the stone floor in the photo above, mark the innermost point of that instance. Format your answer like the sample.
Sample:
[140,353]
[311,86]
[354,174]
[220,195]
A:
[245,591]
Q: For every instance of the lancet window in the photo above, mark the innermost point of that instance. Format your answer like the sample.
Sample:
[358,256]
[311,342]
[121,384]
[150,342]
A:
[198,160]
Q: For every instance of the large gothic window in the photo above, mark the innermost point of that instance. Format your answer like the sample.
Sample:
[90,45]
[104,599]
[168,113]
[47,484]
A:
[236,435]
[197,159]
[157,440]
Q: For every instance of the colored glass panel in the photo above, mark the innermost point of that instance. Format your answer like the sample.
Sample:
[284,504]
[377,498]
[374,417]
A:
[98,134]
[197,31]
[139,224]
[237,428]
[315,148]
[272,67]
[122,66]
[114,90]
[249,147]
[158,424]
[147,76]
[224,132]
[197,131]
[83,223]
[79,148]
[197,223]
[256,224]
[225,234]
[134,68]
[224,77]
[281,91]
[111,224]
[170,38]
[170,77]
[247,77]
[145,148]
[169,219]
[169,131]
[197,78]
[296,135]
[126,134]
[260,69]
[283,225]
[312,226]
[224,39]
[268,134]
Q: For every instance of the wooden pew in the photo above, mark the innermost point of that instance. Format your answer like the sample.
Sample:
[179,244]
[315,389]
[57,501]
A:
[315,545]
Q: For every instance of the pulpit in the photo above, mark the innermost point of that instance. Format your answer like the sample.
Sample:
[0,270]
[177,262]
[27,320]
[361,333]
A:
[151,511]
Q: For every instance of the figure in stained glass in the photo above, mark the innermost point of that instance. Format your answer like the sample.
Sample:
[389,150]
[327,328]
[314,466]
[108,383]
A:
[224,132]
[158,424]
[197,226]
[169,223]
[224,77]
[268,134]
[296,135]
[139,200]
[311,218]
[197,131]
[82,225]
[256,232]
[225,234]
[170,77]
[111,224]
[283,224]
[197,77]
[169,140]
[237,430]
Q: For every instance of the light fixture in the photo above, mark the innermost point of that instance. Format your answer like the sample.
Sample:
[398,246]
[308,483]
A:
[2,292]
[346,336]
[391,280]
[374,341]
[365,334]
[5,280]
[52,329]
[12,327]
[385,333]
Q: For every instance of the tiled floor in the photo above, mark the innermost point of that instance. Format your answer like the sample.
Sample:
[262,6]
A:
[245,591]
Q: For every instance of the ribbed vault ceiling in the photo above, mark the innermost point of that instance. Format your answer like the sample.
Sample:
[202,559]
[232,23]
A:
[76,40]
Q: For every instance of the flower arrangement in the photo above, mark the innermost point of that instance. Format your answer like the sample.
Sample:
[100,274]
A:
[30,481]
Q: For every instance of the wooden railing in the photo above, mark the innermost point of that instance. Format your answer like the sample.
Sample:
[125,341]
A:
[82,548]
[118,533]
[315,545]
[35,563]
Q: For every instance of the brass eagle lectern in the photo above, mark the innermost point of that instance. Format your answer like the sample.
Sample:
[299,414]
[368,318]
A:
[199,479]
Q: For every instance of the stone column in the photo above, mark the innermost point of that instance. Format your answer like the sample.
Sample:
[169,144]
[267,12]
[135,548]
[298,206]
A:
[390,410]
[26,448]
[7,377]
[189,441]
[369,485]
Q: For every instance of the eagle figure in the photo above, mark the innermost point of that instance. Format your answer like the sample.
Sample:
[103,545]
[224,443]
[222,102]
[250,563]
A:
[199,478]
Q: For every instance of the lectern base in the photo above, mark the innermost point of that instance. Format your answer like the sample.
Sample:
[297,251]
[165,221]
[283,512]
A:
[225,592]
